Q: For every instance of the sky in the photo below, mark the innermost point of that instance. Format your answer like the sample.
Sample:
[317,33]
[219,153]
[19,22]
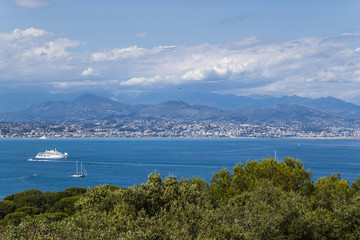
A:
[280,47]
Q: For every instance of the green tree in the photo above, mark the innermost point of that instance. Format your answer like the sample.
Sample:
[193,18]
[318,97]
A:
[6,207]
[31,198]
[66,205]
[100,198]
[28,210]
[220,187]
[15,218]
[331,192]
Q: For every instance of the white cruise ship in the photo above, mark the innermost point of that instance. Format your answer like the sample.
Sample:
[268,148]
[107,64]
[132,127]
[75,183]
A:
[51,154]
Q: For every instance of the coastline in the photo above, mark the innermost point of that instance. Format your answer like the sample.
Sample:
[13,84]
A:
[300,138]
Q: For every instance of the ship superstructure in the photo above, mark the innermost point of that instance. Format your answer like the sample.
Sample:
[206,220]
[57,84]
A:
[51,154]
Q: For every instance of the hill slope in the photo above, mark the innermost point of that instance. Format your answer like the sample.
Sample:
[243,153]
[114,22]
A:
[264,109]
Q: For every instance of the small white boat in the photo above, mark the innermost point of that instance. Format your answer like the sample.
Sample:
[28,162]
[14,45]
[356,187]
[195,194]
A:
[51,154]
[43,137]
[79,173]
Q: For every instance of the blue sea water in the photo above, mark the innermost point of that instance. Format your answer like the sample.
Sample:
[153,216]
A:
[126,162]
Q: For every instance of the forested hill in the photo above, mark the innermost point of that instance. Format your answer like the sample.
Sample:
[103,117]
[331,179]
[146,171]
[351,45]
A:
[258,200]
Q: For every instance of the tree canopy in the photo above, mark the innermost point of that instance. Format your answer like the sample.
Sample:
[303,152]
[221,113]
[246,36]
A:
[265,199]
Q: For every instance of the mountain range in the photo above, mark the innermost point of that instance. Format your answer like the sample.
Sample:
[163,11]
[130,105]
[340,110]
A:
[255,108]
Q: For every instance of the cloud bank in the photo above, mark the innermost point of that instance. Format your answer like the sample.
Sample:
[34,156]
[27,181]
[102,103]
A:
[311,66]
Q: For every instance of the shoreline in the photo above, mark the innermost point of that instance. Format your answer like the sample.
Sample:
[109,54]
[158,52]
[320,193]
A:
[295,138]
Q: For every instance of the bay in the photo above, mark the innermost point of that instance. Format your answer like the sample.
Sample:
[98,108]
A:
[126,162]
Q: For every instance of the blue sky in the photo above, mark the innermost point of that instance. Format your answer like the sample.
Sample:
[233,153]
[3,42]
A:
[307,48]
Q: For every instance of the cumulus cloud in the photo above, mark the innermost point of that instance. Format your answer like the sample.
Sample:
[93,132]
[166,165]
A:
[114,54]
[34,54]
[85,84]
[30,3]
[141,81]
[24,34]
[89,72]
[311,66]
[127,53]
[50,50]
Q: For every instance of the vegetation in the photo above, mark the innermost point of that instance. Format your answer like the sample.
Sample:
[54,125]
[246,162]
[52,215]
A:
[258,200]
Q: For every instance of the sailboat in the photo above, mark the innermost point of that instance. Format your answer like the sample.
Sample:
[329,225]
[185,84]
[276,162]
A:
[81,173]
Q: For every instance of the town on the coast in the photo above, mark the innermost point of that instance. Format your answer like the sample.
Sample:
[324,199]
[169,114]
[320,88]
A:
[91,116]
[173,128]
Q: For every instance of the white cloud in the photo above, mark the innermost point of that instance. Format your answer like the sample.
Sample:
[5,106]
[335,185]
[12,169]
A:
[31,3]
[51,49]
[141,81]
[307,67]
[89,72]
[312,66]
[128,53]
[29,33]
[114,54]
[34,54]
[85,84]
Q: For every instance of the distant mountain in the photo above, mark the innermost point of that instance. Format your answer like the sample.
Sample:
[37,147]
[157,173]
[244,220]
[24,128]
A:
[11,101]
[326,105]
[255,108]
[179,109]
[286,113]
[230,102]
[87,106]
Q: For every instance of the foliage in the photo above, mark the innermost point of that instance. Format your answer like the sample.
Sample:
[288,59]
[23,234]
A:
[6,207]
[32,198]
[289,175]
[28,210]
[14,218]
[259,200]
[331,192]
[31,203]
[66,205]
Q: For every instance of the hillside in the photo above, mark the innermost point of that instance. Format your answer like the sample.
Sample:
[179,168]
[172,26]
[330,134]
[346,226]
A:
[288,109]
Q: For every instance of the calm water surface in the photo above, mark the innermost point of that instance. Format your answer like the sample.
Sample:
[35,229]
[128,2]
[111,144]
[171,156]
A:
[126,162]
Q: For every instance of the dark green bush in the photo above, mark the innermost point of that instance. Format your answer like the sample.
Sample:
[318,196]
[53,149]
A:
[28,210]
[15,218]
[31,198]
[6,207]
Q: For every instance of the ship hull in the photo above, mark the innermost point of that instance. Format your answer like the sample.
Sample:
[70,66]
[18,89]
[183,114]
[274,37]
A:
[50,157]
[77,175]
[51,154]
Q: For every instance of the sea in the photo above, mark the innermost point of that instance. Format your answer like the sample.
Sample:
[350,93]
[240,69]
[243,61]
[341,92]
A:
[127,162]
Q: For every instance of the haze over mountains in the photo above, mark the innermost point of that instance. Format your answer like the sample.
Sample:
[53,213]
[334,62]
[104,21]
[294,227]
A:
[258,108]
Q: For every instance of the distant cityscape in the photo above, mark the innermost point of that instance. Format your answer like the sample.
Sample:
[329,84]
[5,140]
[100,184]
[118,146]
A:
[118,128]
[91,116]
